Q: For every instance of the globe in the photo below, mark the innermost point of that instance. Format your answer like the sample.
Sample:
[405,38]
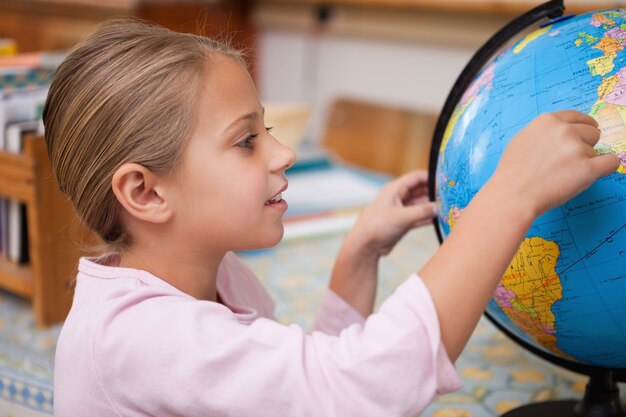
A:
[564,292]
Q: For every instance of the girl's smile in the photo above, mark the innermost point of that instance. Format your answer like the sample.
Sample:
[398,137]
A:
[277,201]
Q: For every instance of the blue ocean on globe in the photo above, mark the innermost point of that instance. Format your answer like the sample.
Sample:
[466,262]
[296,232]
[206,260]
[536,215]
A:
[565,290]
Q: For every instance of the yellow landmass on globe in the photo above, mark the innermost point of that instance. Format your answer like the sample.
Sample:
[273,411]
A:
[454,119]
[529,38]
[601,65]
[454,214]
[529,289]
[612,120]
[606,86]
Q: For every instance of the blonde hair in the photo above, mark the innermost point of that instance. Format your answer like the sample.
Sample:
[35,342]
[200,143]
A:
[125,94]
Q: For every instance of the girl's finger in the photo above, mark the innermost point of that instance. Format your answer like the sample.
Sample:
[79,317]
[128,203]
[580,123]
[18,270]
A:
[415,214]
[589,134]
[573,116]
[409,181]
[416,200]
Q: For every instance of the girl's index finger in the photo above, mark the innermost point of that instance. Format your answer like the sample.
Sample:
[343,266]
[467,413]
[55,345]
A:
[573,116]
[413,178]
[409,181]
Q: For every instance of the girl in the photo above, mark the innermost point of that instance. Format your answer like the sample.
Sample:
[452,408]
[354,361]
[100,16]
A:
[158,140]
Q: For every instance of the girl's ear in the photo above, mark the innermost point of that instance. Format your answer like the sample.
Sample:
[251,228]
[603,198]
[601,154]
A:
[140,193]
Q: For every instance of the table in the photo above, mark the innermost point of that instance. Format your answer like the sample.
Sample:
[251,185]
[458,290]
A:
[497,375]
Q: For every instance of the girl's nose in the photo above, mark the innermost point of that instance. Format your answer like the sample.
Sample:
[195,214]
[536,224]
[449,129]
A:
[283,157]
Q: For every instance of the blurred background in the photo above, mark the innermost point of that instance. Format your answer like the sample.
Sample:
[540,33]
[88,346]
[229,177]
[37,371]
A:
[354,86]
[396,54]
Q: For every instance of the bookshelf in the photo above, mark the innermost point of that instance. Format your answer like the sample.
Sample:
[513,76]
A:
[55,238]
[53,25]
[38,25]
[458,6]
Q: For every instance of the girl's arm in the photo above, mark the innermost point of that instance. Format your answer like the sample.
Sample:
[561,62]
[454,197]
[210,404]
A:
[401,205]
[548,162]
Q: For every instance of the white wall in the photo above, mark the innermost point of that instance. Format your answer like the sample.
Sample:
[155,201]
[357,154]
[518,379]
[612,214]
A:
[295,66]
[405,57]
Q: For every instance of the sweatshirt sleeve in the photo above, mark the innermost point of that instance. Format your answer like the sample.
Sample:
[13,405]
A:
[196,359]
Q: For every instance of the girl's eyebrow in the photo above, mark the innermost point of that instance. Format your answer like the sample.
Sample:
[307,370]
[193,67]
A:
[246,117]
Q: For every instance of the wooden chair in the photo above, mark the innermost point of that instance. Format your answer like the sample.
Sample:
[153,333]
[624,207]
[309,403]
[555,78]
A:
[379,137]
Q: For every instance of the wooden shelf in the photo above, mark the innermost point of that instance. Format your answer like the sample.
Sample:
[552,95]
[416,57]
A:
[477,6]
[17,177]
[16,278]
[447,23]
[56,239]
[38,25]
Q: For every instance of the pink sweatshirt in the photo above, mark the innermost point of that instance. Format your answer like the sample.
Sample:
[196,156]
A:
[133,345]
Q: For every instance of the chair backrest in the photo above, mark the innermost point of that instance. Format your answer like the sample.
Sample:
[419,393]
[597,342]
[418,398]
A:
[379,137]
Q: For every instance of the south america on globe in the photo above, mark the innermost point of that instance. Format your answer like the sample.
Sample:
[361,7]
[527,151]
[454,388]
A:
[564,292]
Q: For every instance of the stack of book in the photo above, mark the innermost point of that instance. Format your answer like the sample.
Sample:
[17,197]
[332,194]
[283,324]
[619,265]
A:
[24,81]
[326,196]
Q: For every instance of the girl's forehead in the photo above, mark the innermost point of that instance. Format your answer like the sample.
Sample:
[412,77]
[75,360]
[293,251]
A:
[227,101]
[228,89]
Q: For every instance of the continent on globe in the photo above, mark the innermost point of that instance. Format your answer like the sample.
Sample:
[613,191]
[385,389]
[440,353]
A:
[454,215]
[528,39]
[529,288]
[610,108]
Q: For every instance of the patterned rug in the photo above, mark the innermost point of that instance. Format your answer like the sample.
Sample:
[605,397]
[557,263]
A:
[497,375]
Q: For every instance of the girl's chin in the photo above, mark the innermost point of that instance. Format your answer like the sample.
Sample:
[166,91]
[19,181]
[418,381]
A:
[270,240]
[273,242]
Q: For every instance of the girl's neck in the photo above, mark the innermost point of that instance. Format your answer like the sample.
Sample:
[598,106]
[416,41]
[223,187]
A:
[194,276]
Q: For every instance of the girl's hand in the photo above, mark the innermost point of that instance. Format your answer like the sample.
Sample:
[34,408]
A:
[552,160]
[401,206]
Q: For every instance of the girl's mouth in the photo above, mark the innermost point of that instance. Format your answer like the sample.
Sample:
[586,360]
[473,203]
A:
[276,199]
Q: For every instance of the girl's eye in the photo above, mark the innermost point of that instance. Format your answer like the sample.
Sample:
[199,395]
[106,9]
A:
[248,142]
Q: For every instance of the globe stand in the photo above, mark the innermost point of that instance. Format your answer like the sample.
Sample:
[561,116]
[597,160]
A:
[601,399]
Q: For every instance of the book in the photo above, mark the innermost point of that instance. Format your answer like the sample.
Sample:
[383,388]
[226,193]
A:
[28,71]
[20,106]
[24,78]
[8,47]
[328,189]
[16,106]
[32,60]
[4,227]
[17,234]
[321,224]
[325,196]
